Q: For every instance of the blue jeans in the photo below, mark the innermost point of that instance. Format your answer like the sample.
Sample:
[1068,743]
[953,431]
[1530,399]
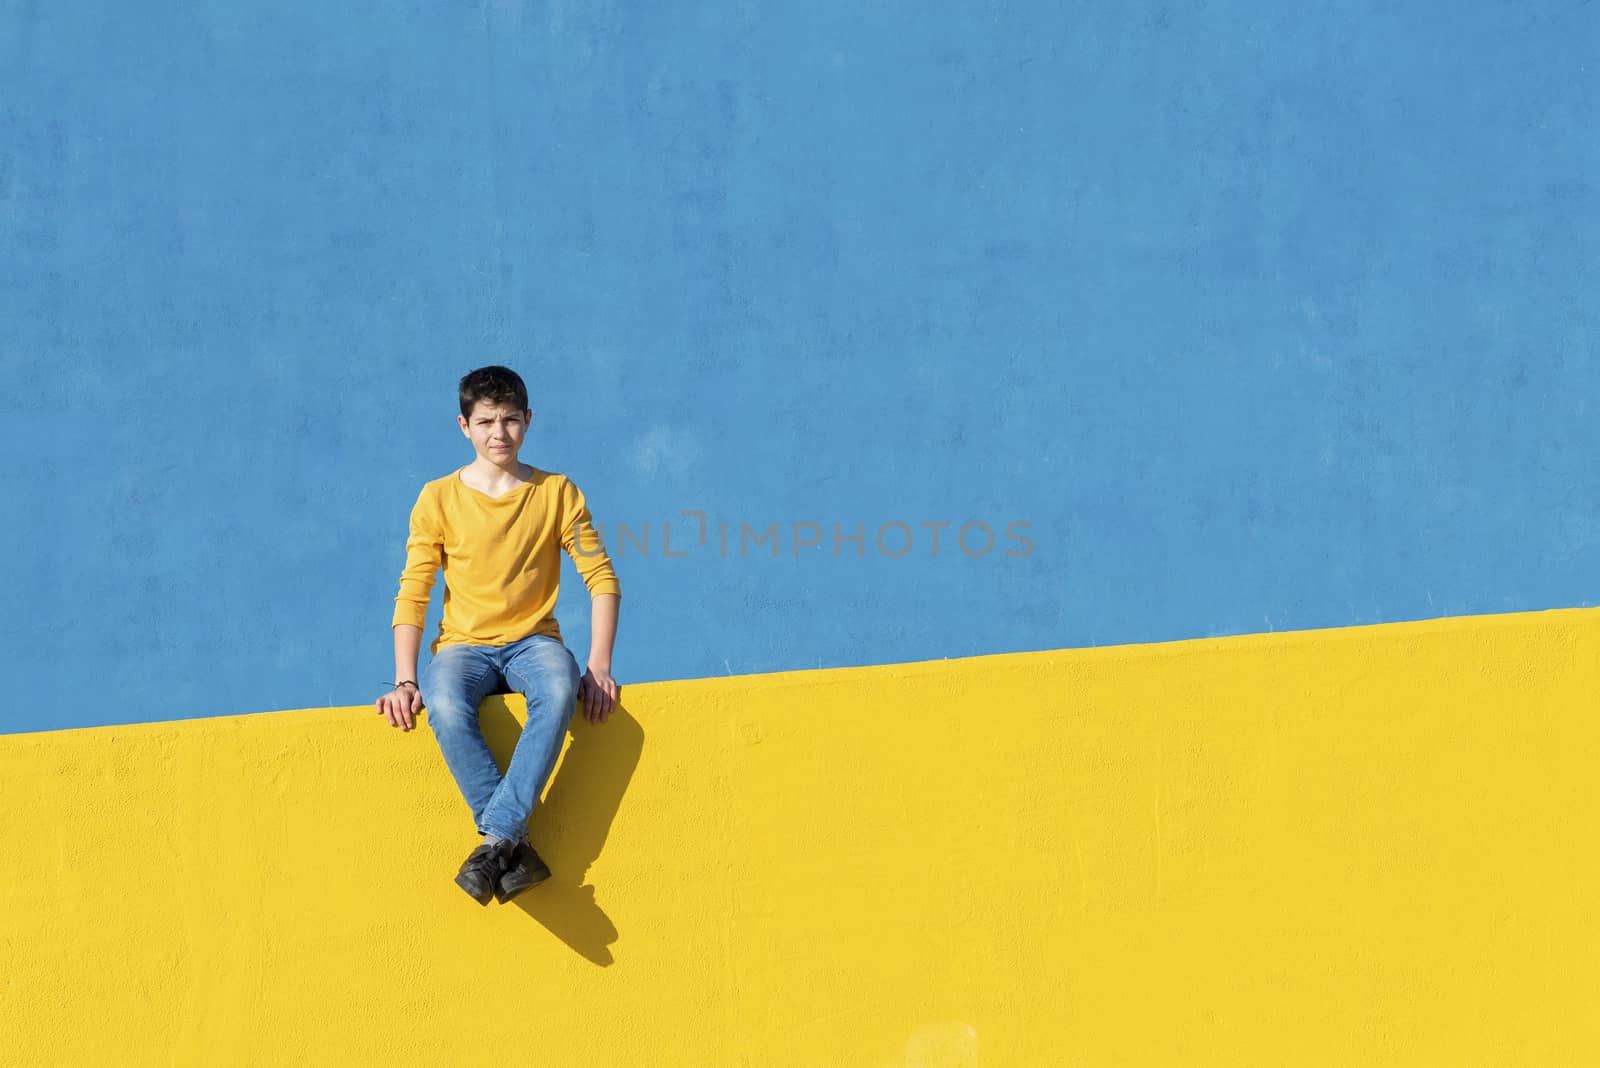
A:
[457,679]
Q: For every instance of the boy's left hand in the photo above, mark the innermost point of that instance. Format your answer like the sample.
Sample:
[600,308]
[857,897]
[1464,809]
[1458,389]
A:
[599,692]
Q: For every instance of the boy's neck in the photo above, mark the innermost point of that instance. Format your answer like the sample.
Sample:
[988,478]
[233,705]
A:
[495,477]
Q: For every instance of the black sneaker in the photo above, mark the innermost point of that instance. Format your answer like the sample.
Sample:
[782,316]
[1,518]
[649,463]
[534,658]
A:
[525,870]
[480,872]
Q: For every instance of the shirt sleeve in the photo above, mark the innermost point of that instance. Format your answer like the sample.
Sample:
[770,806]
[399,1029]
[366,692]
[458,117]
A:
[424,558]
[582,542]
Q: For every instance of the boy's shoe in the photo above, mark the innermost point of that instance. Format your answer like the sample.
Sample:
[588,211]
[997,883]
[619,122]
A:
[525,870]
[480,872]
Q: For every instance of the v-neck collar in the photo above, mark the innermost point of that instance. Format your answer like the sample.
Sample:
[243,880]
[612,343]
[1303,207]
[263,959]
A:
[508,493]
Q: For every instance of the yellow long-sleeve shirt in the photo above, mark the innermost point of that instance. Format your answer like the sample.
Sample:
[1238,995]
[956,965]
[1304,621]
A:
[501,558]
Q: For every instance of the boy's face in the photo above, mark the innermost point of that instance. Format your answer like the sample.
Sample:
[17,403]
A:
[496,431]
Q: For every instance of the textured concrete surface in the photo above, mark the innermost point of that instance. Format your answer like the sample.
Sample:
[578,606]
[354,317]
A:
[1362,846]
[1264,316]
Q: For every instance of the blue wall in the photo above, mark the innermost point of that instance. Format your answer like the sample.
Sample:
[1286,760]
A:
[1260,318]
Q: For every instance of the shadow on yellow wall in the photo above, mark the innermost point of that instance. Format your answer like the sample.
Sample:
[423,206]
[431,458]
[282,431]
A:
[571,824]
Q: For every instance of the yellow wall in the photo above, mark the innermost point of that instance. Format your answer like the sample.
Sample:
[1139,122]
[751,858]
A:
[1362,846]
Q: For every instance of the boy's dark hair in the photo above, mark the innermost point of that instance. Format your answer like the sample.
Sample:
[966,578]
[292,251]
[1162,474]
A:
[495,384]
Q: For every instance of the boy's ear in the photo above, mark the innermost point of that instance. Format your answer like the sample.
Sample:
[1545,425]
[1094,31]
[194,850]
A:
[461,421]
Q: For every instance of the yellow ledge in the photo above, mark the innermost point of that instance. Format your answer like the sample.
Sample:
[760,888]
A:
[1361,846]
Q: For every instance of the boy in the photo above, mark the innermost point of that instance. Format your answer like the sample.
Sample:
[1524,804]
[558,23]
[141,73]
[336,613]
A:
[496,527]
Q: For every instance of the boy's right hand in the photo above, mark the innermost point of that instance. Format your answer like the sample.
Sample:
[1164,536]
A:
[400,706]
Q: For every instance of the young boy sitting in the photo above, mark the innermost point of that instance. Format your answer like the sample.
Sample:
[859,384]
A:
[496,527]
